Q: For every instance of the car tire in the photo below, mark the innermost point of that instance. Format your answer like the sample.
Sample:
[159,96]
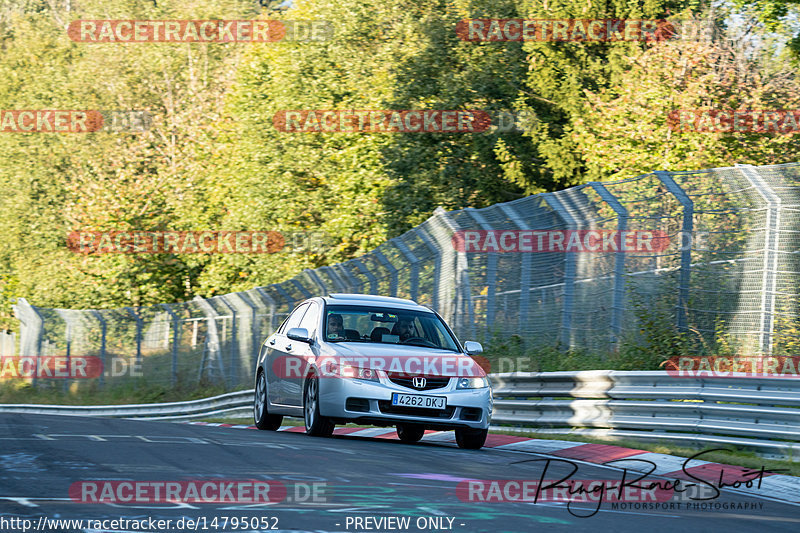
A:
[471,439]
[410,432]
[263,419]
[316,424]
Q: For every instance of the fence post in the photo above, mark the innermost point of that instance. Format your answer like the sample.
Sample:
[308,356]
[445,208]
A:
[340,285]
[27,346]
[618,303]
[423,235]
[271,302]
[354,285]
[175,326]
[525,271]
[462,310]
[392,271]
[103,329]
[285,295]
[256,342]
[63,313]
[373,281]
[300,287]
[569,270]
[312,275]
[211,349]
[138,335]
[769,280]
[233,369]
[686,251]
[491,270]
[414,260]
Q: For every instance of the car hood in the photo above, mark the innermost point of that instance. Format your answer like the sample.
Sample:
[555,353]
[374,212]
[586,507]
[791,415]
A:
[405,359]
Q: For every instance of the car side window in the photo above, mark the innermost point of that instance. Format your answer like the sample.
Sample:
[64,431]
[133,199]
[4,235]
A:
[295,318]
[310,320]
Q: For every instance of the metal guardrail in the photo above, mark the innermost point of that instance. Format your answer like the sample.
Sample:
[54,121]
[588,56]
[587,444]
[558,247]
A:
[753,413]
[229,404]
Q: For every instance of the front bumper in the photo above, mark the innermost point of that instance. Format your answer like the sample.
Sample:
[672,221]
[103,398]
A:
[369,402]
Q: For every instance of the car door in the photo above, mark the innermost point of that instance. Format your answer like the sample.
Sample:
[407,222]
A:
[277,378]
[301,355]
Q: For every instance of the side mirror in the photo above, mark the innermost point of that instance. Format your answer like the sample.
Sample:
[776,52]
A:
[472,347]
[299,334]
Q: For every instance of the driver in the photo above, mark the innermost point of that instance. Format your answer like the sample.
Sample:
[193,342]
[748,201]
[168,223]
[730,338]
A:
[404,329]
[335,326]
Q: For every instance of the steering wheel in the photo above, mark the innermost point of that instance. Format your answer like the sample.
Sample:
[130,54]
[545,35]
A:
[426,341]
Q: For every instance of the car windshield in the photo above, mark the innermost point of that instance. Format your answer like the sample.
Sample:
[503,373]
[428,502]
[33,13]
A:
[386,326]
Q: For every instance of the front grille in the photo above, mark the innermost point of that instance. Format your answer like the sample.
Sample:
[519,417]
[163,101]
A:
[431,383]
[386,407]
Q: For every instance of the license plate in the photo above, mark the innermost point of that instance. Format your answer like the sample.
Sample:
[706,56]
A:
[418,400]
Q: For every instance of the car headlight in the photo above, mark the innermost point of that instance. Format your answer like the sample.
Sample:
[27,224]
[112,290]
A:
[367,374]
[472,383]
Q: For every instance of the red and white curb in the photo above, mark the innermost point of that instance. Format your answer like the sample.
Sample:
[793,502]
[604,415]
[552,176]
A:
[775,486]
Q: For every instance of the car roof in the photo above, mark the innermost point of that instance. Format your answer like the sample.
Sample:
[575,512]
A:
[373,299]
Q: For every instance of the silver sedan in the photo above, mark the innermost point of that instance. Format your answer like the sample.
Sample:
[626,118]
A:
[354,358]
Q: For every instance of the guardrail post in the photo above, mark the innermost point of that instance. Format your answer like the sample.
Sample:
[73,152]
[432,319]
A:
[686,251]
[569,270]
[769,280]
[175,326]
[491,271]
[138,320]
[618,304]
[103,329]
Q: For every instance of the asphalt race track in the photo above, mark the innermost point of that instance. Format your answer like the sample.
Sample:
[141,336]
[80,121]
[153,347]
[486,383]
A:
[42,456]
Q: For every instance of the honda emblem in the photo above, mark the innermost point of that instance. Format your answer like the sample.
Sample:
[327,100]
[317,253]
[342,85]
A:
[419,383]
